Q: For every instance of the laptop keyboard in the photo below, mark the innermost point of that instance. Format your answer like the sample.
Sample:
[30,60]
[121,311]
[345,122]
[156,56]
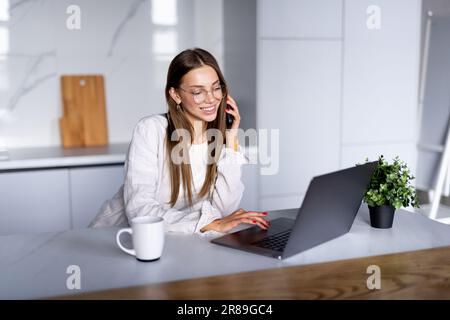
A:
[275,242]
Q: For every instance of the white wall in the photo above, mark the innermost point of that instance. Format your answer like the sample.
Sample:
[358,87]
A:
[118,38]
[337,91]
[299,93]
[381,73]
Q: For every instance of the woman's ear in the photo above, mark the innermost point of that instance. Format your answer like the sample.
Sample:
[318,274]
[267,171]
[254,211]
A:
[174,95]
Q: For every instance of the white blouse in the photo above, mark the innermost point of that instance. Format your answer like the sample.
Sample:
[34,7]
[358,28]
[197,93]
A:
[147,186]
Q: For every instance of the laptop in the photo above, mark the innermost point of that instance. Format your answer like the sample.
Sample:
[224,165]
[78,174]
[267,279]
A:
[327,212]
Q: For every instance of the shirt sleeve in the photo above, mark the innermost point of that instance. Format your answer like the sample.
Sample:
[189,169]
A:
[141,178]
[229,189]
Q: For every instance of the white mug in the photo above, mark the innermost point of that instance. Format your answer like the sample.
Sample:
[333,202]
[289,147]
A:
[148,238]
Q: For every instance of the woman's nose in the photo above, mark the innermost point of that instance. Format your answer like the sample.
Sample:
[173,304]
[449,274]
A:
[210,96]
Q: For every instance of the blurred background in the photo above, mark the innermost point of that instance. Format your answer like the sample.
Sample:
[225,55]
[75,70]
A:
[342,80]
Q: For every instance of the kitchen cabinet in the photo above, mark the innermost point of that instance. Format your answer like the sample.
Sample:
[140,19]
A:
[34,201]
[53,189]
[300,18]
[89,188]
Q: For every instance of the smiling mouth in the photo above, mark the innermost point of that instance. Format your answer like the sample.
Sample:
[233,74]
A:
[208,109]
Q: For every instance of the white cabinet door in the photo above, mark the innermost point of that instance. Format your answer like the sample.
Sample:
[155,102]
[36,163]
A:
[299,95]
[380,88]
[300,18]
[381,72]
[90,187]
[250,180]
[34,201]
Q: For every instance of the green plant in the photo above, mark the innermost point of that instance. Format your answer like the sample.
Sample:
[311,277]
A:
[390,185]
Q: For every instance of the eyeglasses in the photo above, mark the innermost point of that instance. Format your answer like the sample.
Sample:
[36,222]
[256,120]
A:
[200,95]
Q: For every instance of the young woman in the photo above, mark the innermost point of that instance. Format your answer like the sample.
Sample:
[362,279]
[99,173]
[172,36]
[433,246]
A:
[199,195]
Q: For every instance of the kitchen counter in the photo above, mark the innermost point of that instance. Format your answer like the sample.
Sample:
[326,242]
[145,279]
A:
[56,157]
[35,265]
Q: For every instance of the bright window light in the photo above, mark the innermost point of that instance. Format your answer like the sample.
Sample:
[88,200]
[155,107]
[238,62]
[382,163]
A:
[4,10]
[165,42]
[164,12]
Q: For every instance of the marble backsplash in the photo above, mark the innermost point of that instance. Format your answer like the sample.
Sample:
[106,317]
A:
[130,42]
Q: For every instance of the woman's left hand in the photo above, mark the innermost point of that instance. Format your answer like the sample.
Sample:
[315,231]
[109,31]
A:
[232,133]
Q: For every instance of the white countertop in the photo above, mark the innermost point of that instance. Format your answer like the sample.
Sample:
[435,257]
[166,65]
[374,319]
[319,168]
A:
[56,157]
[35,265]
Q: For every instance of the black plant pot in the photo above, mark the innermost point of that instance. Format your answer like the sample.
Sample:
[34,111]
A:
[382,217]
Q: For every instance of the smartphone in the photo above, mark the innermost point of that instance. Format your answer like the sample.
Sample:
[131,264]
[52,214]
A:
[229,118]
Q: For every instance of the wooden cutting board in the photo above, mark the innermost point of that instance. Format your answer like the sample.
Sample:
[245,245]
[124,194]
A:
[84,111]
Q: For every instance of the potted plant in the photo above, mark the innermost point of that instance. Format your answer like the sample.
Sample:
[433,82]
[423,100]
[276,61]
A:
[389,189]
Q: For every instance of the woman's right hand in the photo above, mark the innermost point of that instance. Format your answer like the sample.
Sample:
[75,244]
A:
[236,218]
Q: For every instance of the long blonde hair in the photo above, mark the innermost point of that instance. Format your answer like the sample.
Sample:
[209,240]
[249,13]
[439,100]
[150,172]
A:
[184,62]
